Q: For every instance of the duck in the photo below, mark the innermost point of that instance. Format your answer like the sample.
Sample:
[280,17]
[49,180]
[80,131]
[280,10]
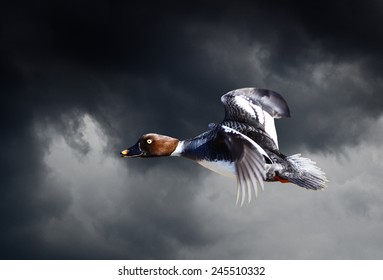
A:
[244,146]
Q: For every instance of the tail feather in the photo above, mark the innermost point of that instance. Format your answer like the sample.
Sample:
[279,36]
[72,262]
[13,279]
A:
[304,173]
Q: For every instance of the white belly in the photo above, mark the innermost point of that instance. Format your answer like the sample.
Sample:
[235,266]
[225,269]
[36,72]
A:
[224,168]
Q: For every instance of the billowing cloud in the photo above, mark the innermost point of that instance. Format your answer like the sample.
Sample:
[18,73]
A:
[111,210]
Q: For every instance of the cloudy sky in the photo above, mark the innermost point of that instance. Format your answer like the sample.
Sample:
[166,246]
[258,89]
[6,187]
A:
[82,80]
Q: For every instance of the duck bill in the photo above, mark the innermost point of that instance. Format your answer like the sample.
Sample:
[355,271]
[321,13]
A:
[133,151]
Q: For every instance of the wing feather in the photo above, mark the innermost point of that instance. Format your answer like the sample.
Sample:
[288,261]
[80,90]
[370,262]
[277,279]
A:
[250,163]
[249,182]
[255,107]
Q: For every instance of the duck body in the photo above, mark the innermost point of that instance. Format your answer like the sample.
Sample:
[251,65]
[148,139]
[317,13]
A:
[243,146]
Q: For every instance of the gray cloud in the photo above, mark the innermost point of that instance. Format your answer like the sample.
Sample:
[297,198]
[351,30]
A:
[81,82]
[114,209]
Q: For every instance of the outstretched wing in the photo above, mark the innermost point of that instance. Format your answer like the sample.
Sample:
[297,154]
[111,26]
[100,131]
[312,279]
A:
[255,107]
[249,160]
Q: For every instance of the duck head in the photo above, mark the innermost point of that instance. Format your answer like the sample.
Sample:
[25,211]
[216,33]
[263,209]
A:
[152,145]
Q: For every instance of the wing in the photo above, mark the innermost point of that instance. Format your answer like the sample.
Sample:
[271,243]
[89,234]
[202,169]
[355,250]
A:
[255,107]
[249,160]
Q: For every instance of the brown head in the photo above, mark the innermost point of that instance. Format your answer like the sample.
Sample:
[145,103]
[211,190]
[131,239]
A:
[152,145]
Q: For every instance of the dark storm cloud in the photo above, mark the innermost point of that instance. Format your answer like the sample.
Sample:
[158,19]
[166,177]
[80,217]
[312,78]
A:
[150,67]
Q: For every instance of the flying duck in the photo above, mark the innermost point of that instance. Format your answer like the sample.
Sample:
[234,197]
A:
[243,146]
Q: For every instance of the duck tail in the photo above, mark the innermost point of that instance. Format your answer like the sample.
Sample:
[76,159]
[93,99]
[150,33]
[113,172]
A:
[304,173]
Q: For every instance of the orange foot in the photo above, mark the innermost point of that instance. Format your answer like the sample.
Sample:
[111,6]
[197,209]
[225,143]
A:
[282,180]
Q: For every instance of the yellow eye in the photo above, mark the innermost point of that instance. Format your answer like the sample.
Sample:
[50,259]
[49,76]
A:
[149,141]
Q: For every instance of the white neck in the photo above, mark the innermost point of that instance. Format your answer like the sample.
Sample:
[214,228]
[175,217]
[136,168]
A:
[177,152]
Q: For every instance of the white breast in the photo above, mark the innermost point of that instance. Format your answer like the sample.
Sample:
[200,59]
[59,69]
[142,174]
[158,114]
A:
[224,168]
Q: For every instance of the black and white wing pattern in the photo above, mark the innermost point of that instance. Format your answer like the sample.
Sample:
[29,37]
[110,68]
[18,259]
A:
[249,160]
[255,107]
